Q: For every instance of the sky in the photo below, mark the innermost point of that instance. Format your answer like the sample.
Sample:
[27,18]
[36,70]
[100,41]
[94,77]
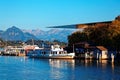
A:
[39,14]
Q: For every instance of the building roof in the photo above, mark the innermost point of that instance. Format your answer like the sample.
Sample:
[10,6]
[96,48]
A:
[102,48]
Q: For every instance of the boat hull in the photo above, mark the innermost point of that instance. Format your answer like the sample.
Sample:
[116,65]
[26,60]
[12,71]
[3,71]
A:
[52,57]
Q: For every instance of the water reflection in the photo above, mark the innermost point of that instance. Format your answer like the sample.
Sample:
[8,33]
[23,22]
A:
[103,70]
[62,63]
[83,69]
[60,68]
[57,69]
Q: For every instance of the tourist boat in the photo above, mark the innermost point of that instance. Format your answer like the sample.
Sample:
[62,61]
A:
[55,52]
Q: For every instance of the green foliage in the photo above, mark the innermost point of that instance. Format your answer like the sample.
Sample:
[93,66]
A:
[40,42]
[63,44]
[77,37]
[10,43]
[2,43]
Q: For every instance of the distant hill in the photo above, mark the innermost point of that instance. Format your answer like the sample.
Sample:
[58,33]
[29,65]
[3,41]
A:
[15,33]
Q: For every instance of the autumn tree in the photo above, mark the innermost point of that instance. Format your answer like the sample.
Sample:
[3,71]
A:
[105,34]
[98,34]
[115,33]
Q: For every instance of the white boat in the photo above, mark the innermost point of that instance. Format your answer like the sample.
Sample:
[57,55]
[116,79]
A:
[55,52]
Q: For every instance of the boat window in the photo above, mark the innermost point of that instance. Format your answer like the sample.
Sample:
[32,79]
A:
[60,52]
[44,52]
[54,52]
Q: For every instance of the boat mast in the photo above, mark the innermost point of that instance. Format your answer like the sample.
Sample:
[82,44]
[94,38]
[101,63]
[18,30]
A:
[32,42]
[73,48]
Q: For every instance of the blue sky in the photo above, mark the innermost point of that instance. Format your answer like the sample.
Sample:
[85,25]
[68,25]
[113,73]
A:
[38,14]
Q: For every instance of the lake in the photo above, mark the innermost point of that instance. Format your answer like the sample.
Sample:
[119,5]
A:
[23,68]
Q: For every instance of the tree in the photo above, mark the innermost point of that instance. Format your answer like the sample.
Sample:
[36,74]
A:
[2,43]
[77,37]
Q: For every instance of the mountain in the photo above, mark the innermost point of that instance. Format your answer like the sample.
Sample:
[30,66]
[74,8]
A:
[15,33]
[28,36]
[53,34]
[1,32]
[35,32]
[60,35]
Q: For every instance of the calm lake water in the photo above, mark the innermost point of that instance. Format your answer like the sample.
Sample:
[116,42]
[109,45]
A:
[21,68]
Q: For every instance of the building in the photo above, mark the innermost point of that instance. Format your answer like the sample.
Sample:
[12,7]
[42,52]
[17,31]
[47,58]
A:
[100,52]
